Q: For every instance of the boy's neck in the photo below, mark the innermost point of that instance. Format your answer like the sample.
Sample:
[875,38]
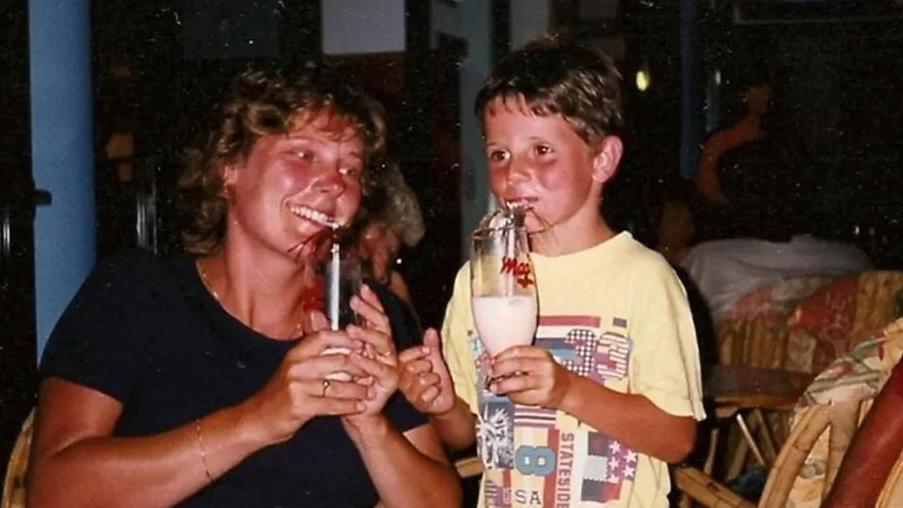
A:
[570,237]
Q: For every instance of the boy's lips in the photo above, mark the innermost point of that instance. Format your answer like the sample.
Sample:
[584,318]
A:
[521,202]
[315,216]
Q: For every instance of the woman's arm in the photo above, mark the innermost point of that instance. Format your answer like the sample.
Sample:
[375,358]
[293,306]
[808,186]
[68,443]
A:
[875,449]
[75,461]
[707,179]
[407,469]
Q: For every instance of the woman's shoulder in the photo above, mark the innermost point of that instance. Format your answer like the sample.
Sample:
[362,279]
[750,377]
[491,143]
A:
[136,273]
[132,262]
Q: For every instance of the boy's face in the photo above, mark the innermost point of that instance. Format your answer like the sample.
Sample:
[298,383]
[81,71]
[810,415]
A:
[541,161]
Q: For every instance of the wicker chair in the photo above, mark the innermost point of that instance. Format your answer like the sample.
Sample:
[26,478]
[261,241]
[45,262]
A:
[810,458]
[14,484]
[892,494]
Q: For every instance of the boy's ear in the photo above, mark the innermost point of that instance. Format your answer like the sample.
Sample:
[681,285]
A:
[608,156]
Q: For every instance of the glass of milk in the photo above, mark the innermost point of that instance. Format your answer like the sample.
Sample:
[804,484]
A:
[503,287]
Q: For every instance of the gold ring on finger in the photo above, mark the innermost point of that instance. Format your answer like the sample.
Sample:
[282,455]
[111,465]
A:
[326,384]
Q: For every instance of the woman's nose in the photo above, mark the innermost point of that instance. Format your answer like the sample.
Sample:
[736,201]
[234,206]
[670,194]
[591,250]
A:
[329,180]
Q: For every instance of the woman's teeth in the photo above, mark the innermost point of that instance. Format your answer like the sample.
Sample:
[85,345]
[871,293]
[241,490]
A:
[314,216]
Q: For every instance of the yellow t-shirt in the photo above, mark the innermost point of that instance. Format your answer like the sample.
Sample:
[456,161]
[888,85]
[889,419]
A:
[616,313]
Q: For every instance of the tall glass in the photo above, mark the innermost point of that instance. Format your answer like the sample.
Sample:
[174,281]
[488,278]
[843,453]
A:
[341,279]
[503,288]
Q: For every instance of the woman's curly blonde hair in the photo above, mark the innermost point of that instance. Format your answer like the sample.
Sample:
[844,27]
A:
[261,102]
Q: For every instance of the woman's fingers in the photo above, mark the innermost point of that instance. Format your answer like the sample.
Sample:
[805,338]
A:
[369,308]
[319,367]
[373,368]
[334,389]
[333,406]
[381,343]
[319,342]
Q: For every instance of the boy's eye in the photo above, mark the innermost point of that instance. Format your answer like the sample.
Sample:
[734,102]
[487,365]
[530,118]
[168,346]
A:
[350,172]
[498,156]
[543,149]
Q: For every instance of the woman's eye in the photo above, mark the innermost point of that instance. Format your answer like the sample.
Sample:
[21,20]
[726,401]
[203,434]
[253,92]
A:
[498,156]
[543,150]
[305,155]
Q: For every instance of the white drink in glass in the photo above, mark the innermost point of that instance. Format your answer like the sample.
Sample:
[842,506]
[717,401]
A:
[505,321]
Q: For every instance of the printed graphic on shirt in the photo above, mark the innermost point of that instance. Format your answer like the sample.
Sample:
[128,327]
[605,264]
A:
[536,456]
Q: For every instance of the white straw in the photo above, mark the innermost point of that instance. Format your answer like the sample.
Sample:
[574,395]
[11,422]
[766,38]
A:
[334,288]
[510,234]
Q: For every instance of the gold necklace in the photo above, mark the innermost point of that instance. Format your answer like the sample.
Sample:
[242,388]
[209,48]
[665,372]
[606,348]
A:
[296,331]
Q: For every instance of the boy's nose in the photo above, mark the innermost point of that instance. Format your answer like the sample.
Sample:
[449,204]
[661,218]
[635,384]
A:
[520,170]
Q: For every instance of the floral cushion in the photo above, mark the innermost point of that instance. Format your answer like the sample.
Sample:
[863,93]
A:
[857,376]
[839,315]
[755,332]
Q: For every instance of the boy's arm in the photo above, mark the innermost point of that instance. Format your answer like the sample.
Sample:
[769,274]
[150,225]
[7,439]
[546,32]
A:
[659,416]
[426,382]
[631,419]
[439,378]
[529,375]
[456,427]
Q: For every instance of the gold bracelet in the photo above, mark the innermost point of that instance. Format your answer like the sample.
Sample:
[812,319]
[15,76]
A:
[197,427]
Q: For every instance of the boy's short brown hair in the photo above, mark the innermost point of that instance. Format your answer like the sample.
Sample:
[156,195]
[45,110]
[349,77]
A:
[260,102]
[560,78]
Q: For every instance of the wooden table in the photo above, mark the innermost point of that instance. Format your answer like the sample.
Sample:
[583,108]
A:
[738,390]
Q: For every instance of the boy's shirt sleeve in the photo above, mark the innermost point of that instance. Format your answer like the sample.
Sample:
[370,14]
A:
[666,367]
[456,341]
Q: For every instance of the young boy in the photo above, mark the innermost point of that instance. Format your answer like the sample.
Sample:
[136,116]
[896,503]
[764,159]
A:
[610,392]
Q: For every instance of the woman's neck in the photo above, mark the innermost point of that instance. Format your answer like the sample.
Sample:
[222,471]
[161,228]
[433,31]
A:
[266,295]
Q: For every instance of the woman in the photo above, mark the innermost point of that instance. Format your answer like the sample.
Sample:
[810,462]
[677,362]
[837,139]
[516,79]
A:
[757,100]
[202,381]
[391,218]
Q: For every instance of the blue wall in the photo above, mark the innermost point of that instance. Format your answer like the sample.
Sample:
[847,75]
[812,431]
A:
[62,153]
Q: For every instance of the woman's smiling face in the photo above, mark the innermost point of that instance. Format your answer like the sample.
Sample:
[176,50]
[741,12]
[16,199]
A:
[293,186]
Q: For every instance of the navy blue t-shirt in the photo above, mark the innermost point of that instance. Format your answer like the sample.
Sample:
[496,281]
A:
[146,332]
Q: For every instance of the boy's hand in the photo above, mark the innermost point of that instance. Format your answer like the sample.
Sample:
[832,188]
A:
[529,375]
[425,380]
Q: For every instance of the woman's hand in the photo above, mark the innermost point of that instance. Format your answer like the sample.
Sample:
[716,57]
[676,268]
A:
[530,375]
[380,368]
[299,390]
[425,380]
[378,360]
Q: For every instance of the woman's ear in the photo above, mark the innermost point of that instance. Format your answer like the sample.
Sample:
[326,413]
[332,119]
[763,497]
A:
[608,156]
[228,173]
